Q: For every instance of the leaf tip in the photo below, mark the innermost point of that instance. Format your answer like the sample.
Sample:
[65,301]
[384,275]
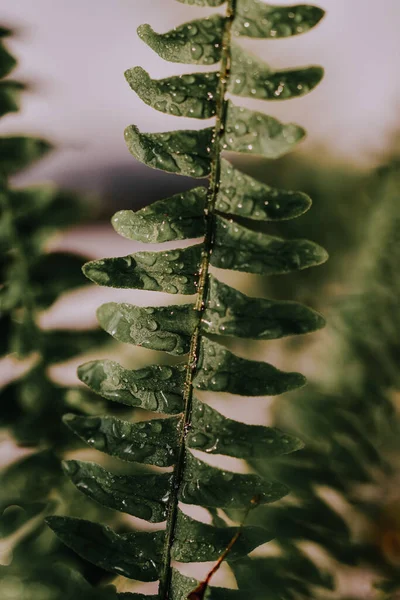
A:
[54,522]
[69,418]
[69,467]
[145,32]
[136,77]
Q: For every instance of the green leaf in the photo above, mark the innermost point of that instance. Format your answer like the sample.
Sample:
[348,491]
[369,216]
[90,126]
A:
[166,328]
[198,542]
[41,212]
[221,371]
[7,62]
[135,555]
[156,388]
[242,249]
[241,195]
[291,571]
[17,153]
[143,496]
[5,31]
[229,312]
[54,274]
[256,19]
[185,152]
[213,433]
[253,78]
[9,96]
[152,442]
[171,271]
[15,517]
[190,95]
[256,133]
[197,42]
[176,218]
[30,479]
[60,345]
[30,203]
[204,485]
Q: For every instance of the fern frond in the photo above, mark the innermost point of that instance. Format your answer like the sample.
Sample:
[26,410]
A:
[31,280]
[181,330]
[348,421]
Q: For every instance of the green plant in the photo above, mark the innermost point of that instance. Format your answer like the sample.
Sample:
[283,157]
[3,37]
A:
[222,215]
[32,279]
[347,473]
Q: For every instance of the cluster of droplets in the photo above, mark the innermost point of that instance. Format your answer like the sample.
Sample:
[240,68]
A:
[249,80]
[157,388]
[215,434]
[185,152]
[211,374]
[258,20]
[173,271]
[165,328]
[196,42]
[257,133]
[179,217]
[144,496]
[191,95]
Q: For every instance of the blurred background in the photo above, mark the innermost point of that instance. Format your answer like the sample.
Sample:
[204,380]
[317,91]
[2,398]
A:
[72,56]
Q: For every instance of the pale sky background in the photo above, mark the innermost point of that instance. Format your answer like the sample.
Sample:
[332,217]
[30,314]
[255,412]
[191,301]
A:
[75,54]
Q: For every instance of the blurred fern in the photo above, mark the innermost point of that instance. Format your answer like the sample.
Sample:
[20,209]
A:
[348,472]
[222,215]
[32,279]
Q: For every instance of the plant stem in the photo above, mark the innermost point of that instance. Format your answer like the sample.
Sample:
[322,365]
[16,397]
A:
[221,105]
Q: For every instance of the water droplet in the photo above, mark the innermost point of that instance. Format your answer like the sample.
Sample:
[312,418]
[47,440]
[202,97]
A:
[152,325]
[196,51]
[98,441]
[156,427]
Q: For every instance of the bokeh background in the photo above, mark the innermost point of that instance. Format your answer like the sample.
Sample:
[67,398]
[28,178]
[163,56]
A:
[72,56]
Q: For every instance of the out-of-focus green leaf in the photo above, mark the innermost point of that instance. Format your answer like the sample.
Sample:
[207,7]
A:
[30,479]
[17,153]
[9,95]
[62,344]
[7,61]
[54,274]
